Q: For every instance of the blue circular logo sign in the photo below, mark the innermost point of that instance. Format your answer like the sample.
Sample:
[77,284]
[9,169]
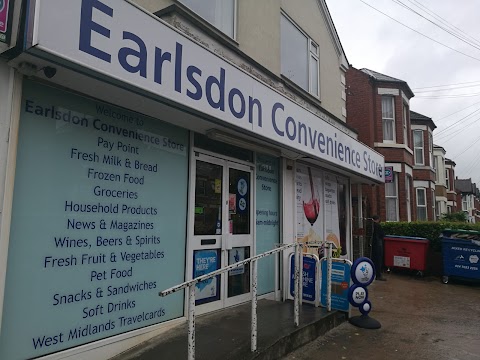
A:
[242,187]
[363,271]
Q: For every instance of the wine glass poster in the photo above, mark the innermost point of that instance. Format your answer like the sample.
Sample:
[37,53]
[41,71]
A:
[332,229]
[309,201]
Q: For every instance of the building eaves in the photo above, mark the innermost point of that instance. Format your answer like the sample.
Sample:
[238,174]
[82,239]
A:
[450,161]
[421,119]
[379,77]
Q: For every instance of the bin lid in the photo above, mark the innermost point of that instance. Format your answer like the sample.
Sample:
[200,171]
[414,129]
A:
[461,234]
[404,237]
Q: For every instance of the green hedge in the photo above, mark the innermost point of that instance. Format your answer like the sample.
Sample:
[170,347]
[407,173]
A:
[431,230]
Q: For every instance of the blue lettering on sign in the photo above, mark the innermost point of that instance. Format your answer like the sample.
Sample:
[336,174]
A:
[309,272]
[133,58]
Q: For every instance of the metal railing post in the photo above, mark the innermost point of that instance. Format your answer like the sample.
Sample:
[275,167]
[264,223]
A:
[329,277]
[191,322]
[296,277]
[254,305]
[191,285]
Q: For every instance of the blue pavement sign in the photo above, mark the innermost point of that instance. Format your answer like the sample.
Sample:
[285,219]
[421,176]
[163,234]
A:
[340,284]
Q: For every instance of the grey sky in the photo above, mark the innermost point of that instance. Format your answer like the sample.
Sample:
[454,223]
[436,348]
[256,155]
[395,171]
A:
[373,41]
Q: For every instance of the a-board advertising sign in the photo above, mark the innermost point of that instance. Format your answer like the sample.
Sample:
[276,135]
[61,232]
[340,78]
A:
[340,283]
[309,277]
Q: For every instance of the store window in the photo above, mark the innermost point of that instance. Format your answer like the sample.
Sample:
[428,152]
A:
[267,220]
[391,199]
[422,204]
[418,147]
[220,13]
[299,57]
[388,118]
[99,214]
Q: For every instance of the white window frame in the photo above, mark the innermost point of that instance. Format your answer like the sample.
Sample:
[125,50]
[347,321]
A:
[435,167]
[313,53]
[447,179]
[424,190]
[415,148]
[235,15]
[464,203]
[407,198]
[405,127]
[430,148]
[433,204]
[392,197]
[314,56]
[392,120]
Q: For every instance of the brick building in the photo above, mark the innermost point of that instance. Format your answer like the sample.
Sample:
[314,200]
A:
[467,198]
[378,107]
[452,206]
[441,198]
[423,168]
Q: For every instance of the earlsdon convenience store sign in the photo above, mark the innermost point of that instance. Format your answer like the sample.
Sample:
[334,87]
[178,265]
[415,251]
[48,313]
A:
[122,41]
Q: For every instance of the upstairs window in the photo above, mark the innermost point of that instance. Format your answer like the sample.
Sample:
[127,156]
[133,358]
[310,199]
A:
[418,147]
[299,57]
[430,148]
[388,118]
[391,199]
[421,204]
[435,167]
[220,13]
[447,179]
[405,125]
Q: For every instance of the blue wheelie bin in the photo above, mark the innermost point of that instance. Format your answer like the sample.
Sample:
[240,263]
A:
[461,254]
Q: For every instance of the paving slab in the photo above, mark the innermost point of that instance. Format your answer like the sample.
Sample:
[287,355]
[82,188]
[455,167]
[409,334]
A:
[226,334]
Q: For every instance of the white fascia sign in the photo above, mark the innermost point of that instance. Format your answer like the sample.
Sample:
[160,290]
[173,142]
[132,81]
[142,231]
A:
[123,42]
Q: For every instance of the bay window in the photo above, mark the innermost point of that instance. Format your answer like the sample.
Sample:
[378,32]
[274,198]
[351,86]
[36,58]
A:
[391,199]
[421,204]
[388,118]
[418,147]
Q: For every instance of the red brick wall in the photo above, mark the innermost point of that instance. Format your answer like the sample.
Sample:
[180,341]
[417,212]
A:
[360,94]
[364,113]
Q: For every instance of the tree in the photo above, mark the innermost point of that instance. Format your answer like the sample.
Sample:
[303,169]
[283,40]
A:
[455,217]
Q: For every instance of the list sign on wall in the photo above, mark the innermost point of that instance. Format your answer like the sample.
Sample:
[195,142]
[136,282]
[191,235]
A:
[98,224]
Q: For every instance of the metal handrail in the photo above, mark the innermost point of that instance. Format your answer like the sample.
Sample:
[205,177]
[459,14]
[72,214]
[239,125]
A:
[190,284]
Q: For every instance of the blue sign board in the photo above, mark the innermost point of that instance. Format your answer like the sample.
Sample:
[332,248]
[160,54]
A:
[340,284]
[205,262]
[309,277]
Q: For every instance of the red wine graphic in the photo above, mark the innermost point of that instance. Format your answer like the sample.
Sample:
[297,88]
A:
[311,208]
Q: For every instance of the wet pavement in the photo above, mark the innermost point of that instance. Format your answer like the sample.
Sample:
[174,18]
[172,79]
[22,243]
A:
[421,318]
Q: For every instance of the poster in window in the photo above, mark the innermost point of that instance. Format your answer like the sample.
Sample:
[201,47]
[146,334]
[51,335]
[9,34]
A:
[309,191]
[332,224]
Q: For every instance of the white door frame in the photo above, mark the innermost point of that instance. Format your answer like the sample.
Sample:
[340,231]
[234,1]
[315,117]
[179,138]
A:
[225,241]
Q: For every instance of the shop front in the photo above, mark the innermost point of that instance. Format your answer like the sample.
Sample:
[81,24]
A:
[146,160]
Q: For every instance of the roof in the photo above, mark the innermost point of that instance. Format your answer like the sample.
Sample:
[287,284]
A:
[464,185]
[450,161]
[385,78]
[419,118]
